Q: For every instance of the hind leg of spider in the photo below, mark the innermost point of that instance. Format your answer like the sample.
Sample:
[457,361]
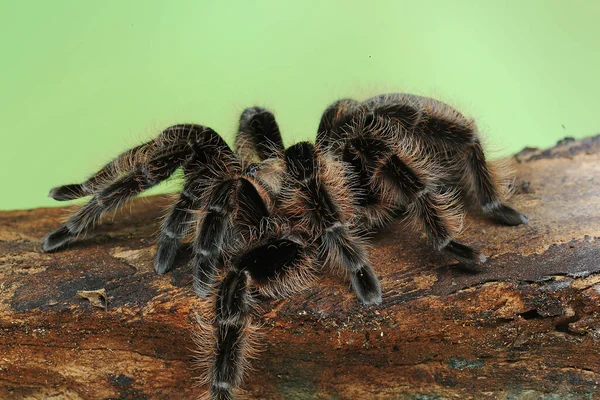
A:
[430,210]
[487,192]
[438,214]
[453,135]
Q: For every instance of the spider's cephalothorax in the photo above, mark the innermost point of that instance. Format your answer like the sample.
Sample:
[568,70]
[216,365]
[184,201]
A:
[268,217]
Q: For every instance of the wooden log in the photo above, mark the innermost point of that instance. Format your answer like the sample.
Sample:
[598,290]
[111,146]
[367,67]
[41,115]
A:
[526,326]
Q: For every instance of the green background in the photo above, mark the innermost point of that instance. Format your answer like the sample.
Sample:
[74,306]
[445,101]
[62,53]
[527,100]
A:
[83,80]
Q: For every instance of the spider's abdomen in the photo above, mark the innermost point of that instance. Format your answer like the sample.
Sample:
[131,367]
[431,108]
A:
[422,114]
[413,117]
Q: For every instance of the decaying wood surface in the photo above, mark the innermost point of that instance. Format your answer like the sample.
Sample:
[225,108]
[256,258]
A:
[527,326]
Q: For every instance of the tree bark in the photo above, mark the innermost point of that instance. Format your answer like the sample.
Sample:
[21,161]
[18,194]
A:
[526,326]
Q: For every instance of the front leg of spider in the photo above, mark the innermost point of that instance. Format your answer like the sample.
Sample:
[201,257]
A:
[192,147]
[226,215]
[320,199]
[128,175]
[274,261]
[199,172]
[274,265]
[214,166]
[178,222]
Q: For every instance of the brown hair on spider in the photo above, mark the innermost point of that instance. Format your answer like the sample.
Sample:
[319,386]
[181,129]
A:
[266,219]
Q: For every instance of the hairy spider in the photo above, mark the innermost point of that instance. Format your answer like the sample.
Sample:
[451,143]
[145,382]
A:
[266,218]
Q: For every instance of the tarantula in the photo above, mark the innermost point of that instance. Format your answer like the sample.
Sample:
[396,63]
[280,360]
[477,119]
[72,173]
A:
[267,219]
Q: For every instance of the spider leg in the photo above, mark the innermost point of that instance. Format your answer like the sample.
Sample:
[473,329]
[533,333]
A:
[452,133]
[392,173]
[323,197]
[275,261]
[431,121]
[180,142]
[178,222]
[258,135]
[431,211]
[231,327]
[342,246]
[487,191]
[227,197]
[439,213]
[211,235]
[211,156]
[110,198]
[405,111]
[123,162]
[276,265]
[366,155]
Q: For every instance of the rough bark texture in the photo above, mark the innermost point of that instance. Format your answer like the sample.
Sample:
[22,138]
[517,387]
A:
[527,326]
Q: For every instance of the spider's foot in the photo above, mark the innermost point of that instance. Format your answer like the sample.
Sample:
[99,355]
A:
[165,255]
[67,192]
[366,285]
[506,215]
[465,254]
[57,239]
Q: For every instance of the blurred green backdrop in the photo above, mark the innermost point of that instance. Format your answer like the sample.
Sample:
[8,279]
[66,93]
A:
[83,80]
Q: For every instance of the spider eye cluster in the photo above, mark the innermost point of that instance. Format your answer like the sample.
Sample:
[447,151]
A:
[252,170]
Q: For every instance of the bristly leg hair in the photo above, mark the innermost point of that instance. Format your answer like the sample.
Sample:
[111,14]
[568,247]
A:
[263,220]
[204,336]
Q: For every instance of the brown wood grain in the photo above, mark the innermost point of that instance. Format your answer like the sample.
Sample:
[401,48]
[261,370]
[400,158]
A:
[526,326]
